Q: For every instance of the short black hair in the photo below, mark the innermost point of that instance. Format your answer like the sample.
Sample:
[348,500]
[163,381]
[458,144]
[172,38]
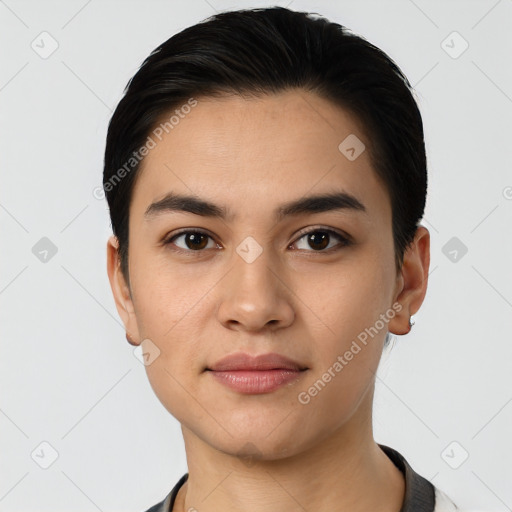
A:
[264,51]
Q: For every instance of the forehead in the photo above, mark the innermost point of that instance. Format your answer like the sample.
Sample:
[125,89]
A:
[252,152]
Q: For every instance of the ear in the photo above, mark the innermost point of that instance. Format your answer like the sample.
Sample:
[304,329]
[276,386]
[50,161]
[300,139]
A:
[121,290]
[412,281]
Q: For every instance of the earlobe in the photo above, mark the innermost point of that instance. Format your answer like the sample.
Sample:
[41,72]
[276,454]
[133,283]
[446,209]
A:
[120,290]
[413,281]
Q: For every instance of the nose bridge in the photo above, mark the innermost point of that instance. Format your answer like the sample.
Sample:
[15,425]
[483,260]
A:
[255,295]
[255,268]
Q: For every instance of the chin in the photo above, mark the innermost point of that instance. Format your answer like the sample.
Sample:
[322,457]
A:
[265,441]
[252,449]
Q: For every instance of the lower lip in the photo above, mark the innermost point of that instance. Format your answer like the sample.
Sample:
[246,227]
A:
[256,381]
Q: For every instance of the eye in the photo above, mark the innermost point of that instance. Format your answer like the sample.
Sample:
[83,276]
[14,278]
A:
[319,239]
[192,240]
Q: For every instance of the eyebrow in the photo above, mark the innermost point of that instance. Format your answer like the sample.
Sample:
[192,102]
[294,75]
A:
[173,202]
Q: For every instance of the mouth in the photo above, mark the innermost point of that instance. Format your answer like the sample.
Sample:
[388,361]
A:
[255,375]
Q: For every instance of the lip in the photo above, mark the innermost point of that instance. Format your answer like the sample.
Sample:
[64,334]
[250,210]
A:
[243,361]
[256,374]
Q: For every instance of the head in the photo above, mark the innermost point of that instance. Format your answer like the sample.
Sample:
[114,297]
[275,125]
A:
[293,151]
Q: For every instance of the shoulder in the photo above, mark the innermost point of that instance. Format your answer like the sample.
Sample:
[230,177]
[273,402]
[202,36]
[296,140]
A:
[157,508]
[445,504]
[166,505]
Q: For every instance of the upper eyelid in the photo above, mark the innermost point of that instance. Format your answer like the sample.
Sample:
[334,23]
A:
[313,229]
[168,238]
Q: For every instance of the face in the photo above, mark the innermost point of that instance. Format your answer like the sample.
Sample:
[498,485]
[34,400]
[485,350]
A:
[234,276]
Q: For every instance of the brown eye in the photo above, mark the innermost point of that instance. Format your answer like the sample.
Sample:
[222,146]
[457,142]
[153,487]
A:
[196,241]
[190,241]
[320,239]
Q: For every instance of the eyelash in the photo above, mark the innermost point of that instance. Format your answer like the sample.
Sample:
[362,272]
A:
[345,241]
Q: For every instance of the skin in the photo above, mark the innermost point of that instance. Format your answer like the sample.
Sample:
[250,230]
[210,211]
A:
[253,155]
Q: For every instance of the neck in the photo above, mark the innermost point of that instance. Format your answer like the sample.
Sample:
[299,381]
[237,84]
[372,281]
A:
[345,471]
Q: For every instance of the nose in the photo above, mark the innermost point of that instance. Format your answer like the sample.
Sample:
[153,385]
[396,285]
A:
[256,296]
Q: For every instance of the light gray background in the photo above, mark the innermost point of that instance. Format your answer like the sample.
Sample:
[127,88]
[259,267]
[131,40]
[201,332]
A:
[68,376]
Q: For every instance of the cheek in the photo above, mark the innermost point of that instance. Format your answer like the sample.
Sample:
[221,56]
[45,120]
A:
[165,295]
[342,302]
[352,314]
[172,303]
[346,357]
[170,317]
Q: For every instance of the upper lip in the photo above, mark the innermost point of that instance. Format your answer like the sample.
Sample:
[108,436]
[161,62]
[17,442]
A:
[242,361]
